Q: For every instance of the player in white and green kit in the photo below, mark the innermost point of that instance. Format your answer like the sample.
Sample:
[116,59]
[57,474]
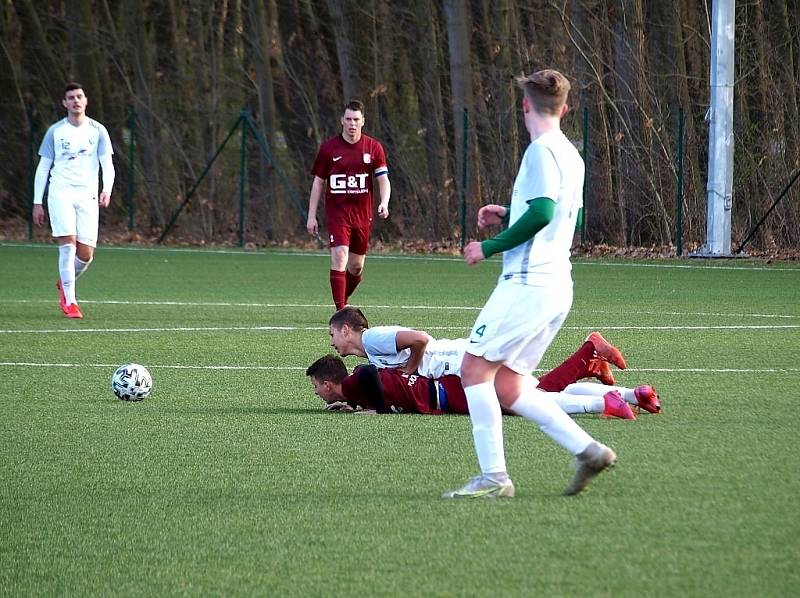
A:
[532,298]
[72,152]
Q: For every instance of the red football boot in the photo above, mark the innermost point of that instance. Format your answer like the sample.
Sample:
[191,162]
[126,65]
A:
[598,368]
[647,398]
[73,311]
[62,299]
[606,350]
[615,406]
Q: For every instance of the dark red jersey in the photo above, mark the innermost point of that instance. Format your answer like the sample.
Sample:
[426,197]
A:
[349,171]
[389,390]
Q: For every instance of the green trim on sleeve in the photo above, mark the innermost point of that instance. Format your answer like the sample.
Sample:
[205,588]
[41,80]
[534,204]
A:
[579,221]
[539,214]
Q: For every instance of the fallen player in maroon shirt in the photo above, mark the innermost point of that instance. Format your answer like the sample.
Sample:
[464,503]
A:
[387,390]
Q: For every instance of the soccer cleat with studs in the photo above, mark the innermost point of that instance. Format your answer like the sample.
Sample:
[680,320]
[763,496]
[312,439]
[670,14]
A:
[481,486]
[615,406]
[593,461]
[73,311]
[598,368]
[647,398]
[605,350]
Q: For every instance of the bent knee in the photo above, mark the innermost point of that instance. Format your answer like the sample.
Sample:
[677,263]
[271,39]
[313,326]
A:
[85,253]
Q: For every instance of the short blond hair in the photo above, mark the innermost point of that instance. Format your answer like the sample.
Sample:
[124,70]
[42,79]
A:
[546,90]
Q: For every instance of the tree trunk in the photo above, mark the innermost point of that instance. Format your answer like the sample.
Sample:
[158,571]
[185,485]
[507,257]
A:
[83,38]
[260,21]
[458,38]
[343,14]
[788,79]
[633,130]
[148,132]
[500,149]
[41,65]
[427,64]
[590,91]
[669,47]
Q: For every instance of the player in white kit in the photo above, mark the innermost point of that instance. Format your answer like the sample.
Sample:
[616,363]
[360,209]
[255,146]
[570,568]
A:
[531,300]
[415,352]
[72,151]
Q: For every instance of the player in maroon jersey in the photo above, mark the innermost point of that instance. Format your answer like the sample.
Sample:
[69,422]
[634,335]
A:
[384,390]
[346,168]
[390,390]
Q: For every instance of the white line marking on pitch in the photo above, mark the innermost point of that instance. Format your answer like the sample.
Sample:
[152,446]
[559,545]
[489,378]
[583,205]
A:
[166,329]
[576,261]
[378,306]
[243,304]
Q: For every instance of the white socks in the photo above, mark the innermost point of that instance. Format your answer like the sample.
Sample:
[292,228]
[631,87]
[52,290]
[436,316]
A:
[594,389]
[70,267]
[80,266]
[487,427]
[66,270]
[579,403]
[540,408]
[535,405]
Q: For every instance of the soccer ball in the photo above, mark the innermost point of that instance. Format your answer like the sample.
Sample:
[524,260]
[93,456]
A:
[131,382]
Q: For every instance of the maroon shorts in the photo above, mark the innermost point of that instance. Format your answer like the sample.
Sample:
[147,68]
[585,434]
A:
[355,237]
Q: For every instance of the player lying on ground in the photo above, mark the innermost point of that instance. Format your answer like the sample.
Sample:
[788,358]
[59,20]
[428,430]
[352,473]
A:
[416,352]
[389,390]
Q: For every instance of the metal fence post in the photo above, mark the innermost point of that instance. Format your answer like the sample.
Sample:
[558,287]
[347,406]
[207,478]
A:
[131,165]
[679,190]
[585,164]
[465,162]
[31,142]
[243,115]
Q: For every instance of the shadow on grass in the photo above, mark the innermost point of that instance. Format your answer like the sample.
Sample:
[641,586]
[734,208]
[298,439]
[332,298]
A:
[249,410]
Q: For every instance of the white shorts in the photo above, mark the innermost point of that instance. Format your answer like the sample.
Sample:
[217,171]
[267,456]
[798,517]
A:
[443,357]
[74,212]
[518,323]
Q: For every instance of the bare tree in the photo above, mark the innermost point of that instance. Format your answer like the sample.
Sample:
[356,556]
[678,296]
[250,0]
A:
[461,89]
[426,61]
[187,70]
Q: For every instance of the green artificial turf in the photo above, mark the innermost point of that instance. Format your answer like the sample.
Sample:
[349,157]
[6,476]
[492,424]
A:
[231,480]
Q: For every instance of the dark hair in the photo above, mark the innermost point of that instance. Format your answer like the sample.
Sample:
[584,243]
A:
[328,368]
[547,90]
[349,316]
[355,106]
[72,86]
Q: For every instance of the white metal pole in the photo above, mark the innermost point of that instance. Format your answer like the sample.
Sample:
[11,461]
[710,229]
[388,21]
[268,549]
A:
[720,139]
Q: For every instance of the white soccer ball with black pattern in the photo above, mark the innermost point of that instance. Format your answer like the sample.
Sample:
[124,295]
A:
[131,382]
